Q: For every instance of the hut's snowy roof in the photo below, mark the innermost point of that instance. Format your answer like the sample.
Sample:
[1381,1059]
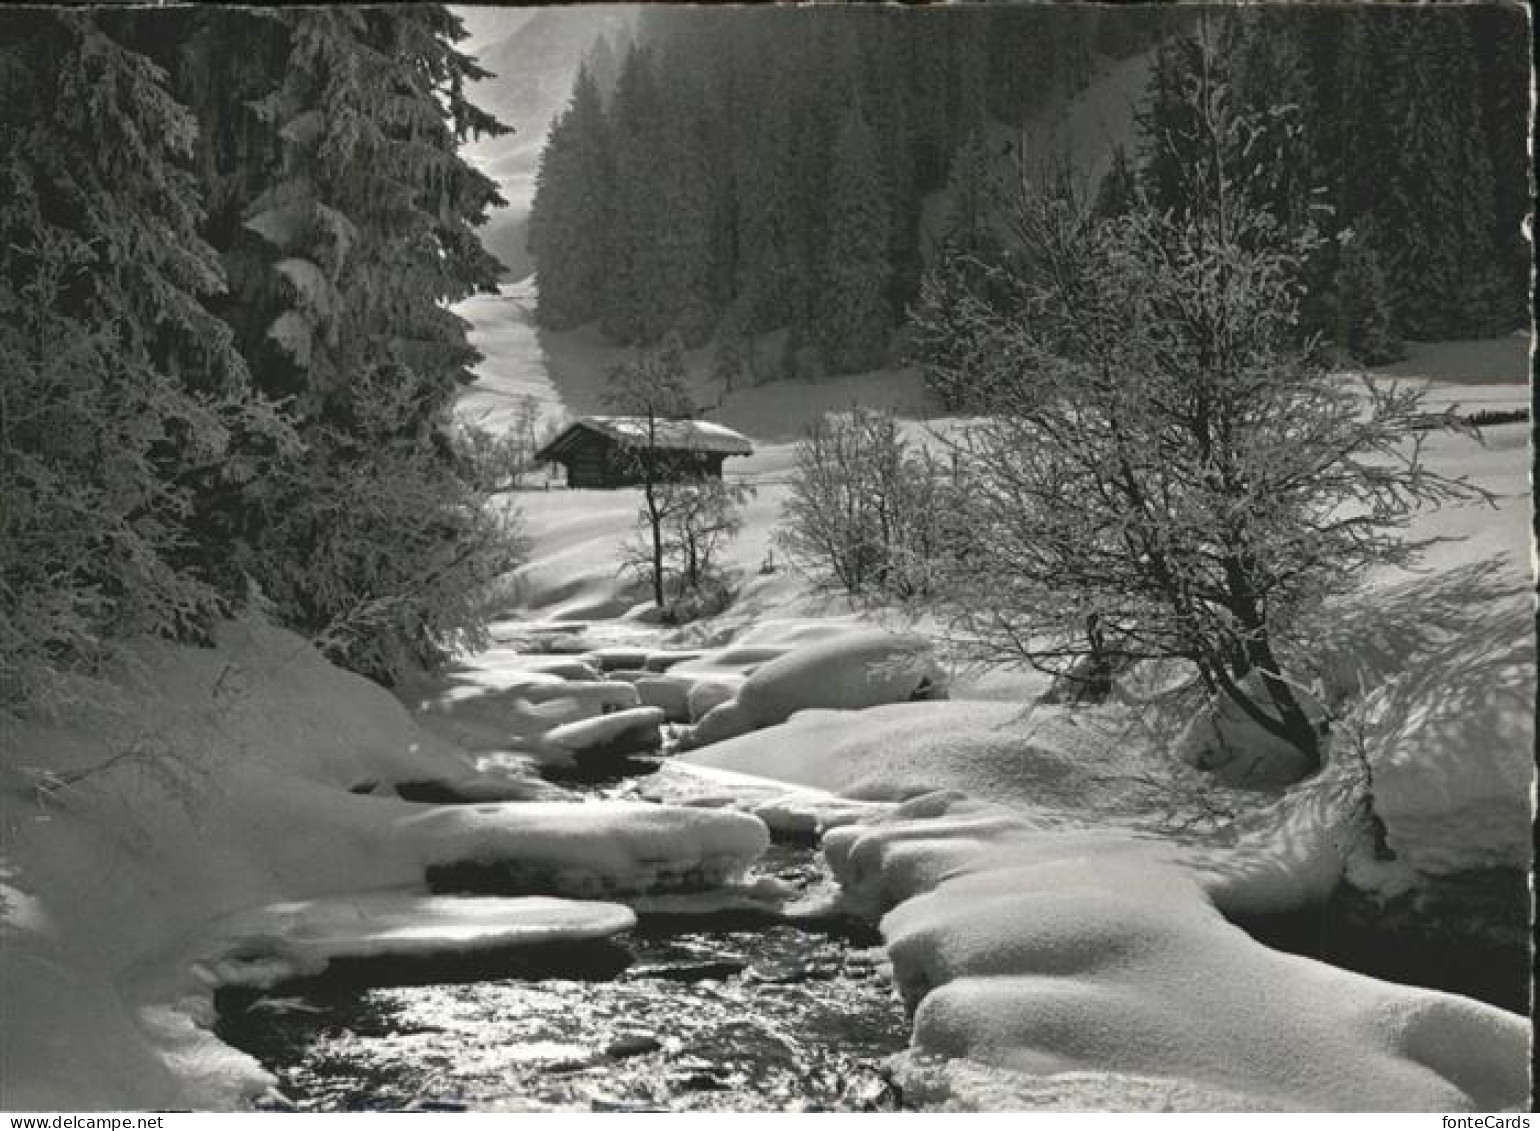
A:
[670,435]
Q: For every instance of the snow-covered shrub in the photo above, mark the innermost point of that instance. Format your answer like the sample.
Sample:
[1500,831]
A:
[381,554]
[490,460]
[867,511]
[695,521]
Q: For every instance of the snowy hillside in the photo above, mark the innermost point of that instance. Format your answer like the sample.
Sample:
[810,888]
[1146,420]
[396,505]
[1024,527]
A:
[533,56]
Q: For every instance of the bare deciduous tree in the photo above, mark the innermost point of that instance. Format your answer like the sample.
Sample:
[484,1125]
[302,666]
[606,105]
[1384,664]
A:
[653,389]
[1165,467]
[868,510]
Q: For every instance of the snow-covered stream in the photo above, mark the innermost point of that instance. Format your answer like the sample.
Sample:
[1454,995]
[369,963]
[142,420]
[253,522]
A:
[724,1011]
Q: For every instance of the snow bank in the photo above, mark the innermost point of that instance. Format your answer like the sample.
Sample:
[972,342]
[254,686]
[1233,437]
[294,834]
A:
[1101,953]
[1449,746]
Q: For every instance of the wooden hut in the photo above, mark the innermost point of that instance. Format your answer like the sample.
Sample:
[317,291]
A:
[617,451]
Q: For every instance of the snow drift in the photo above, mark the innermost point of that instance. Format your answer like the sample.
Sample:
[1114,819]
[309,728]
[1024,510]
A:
[1097,953]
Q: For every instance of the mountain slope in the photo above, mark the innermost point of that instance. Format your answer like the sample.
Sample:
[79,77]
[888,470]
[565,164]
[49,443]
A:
[533,67]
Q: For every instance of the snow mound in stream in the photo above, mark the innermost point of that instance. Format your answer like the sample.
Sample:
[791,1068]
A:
[586,850]
[481,718]
[851,670]
[796,813]
[1044,757]
[802,667]
[615,734]
[266,945]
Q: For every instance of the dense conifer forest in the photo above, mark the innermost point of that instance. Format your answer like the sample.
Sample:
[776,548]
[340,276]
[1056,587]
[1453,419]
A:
[744,171]
[227,239]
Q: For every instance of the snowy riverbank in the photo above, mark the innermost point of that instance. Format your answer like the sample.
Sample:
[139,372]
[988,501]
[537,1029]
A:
[212,821]
[1065,950]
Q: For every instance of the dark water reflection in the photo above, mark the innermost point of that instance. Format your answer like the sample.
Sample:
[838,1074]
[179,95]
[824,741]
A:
[730,1013]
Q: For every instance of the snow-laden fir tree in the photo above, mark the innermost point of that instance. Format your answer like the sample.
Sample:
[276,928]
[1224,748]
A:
[119,391]
[345,217]
[853,322]
[569,221]
[1413,153]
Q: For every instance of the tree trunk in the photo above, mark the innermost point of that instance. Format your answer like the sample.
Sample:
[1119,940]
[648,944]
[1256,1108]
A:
[655,520]
[1255,652]
[1297,727]
[654,517]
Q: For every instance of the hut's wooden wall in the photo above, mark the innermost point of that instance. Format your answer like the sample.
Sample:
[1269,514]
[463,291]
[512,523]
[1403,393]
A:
[595,460]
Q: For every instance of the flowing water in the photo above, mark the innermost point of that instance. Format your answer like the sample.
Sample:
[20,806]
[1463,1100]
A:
[732,1011]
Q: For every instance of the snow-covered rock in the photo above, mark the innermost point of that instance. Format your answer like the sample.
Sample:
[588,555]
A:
[804,814]
[729,665]
[848,671]
[671,696]
[707,694]
[513,662]
[589,850]
[784,632]
[595,696]
[664,659]
[808,815]
[618,658]
[298,938]
[942,1083]
[1044,757]
[616,734]
[484,718]
[740,657]
[724,721]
